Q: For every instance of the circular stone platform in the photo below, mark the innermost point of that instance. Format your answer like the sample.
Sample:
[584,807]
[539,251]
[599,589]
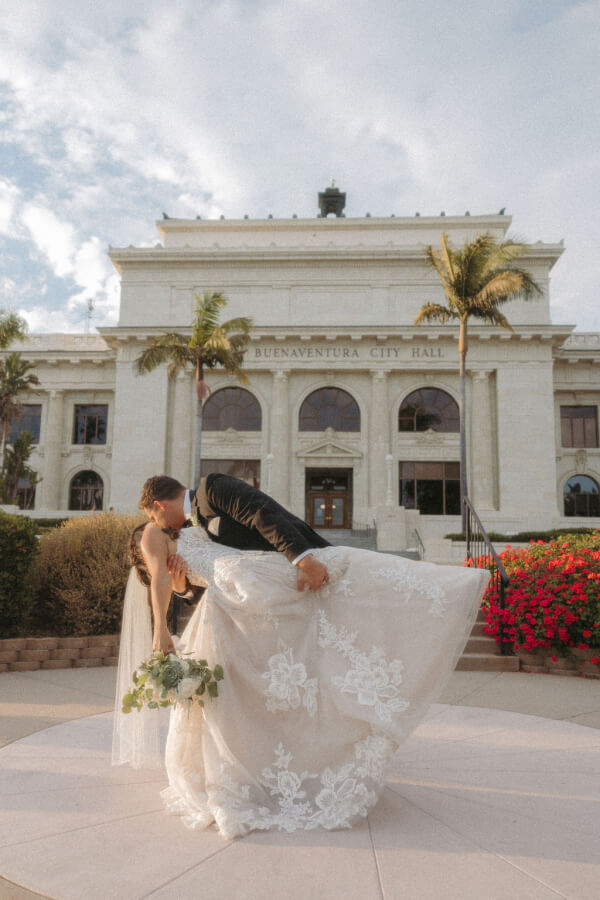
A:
[480,803]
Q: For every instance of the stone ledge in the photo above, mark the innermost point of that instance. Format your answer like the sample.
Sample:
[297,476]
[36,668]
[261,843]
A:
[31,654]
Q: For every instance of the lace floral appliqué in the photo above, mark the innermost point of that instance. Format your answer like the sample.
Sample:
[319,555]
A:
[286,680]
[404,581]
[339,798]
[373,680]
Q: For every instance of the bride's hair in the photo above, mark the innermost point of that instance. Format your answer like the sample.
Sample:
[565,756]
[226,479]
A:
[137,557]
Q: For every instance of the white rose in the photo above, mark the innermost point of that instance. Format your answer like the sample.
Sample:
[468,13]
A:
[186,688]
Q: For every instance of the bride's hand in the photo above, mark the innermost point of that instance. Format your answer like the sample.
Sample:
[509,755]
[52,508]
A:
[177,569]
[162,640]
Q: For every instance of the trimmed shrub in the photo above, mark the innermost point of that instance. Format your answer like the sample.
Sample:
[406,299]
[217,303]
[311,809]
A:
[18,549]
[80,575]
[525,537]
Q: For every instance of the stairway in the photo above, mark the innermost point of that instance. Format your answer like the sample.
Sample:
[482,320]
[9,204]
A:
[482,653]
[344,537]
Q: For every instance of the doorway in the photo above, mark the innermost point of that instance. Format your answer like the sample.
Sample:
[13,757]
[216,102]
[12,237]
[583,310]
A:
[329,498]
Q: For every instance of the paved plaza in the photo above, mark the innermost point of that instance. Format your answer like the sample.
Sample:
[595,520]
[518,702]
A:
[496,795]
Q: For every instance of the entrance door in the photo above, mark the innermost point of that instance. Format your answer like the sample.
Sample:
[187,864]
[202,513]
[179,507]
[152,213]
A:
[329,498]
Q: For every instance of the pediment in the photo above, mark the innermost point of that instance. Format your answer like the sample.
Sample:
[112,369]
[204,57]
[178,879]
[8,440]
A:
[330,449]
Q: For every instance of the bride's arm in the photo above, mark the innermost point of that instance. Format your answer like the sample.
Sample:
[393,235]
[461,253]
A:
[155,550]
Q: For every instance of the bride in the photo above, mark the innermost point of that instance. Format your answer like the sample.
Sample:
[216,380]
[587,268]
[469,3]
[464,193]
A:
[320,688]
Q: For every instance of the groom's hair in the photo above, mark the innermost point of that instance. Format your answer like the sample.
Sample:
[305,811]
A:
[159,487]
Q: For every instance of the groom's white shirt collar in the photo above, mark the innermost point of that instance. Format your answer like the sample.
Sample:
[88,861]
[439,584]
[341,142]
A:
[213,524]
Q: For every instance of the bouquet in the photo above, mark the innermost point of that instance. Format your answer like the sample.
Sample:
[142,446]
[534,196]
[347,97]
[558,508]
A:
[166,679]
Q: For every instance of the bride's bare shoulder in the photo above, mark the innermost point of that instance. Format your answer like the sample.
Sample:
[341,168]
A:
[153,538]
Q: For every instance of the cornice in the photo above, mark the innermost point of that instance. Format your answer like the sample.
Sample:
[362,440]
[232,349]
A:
[342,223]
[554,334]
[364,253]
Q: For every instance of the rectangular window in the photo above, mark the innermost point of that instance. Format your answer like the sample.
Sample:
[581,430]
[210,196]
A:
[29,420]
[579,426]
[89,425]
[431,487]
[25,494]
[244,469]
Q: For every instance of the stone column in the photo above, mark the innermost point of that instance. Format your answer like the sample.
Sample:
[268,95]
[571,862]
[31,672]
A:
[482,457]
[280,442]
[179,429]
[49,491]
[139,429]
[378,439]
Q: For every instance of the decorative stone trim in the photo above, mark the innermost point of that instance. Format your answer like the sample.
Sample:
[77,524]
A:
[31,654]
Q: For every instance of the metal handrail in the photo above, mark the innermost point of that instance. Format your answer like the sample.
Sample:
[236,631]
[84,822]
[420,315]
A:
[364,528]
[420,545]
[479,547]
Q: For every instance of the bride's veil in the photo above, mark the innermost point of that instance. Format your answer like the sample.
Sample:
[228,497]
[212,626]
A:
[136,735]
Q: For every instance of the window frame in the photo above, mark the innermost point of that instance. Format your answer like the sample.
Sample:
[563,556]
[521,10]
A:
[354,415]
[17,423]
[76,414]
[450,404]
[446,479]
[252,403]
[81,488]
[568,426]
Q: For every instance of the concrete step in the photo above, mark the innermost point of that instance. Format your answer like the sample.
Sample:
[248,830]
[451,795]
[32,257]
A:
[483,662]
[477,630]
[344,537]
[485,645]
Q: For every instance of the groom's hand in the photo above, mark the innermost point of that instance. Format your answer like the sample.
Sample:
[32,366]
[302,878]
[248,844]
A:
[311,573]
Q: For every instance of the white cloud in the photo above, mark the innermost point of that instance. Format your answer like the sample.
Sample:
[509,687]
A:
[42,320]
[9,195]
[251,106]
[53,238]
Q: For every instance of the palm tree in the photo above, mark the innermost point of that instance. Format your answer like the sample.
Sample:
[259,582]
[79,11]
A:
[211,344]
[12,328]
[477,279]
[15,378]
[17,467]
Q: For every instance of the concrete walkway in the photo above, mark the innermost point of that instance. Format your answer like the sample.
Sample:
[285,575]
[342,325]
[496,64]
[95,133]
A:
[495,795]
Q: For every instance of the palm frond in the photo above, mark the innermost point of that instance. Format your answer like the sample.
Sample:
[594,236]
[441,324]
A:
[160,350]
[507,284]
[206,314]
[434,260]
[240,323]
[494,317]
[12,328]
[435,312]
[506,252]
[447,257]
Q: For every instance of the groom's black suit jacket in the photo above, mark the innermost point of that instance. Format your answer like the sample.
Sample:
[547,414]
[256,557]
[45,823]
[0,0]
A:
[249,519]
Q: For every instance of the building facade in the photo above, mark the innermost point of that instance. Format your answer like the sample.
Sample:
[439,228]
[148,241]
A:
[350,414]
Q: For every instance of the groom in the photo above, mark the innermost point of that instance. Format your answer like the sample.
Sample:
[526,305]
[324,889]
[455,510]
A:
[238,515]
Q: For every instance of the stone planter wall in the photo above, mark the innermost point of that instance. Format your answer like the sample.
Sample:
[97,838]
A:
[30,654]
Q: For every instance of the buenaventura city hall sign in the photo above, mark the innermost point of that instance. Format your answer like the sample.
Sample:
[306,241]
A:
[323,352]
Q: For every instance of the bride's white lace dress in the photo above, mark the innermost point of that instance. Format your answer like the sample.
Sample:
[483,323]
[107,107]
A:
[320,688]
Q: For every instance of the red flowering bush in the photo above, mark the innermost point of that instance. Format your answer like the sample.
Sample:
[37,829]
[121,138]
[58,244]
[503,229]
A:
[553,599]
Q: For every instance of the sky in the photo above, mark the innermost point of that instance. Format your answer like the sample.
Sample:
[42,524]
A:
[111,113]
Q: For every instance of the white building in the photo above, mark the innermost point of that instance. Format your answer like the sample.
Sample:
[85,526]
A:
[351,413]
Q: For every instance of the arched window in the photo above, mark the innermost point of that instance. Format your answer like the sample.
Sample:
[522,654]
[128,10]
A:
[429,408]
[86,491]
[582,496]
[232,407]
[329,408]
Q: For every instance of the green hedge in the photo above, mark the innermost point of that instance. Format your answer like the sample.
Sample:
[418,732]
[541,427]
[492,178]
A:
[524,537]
[18,550]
